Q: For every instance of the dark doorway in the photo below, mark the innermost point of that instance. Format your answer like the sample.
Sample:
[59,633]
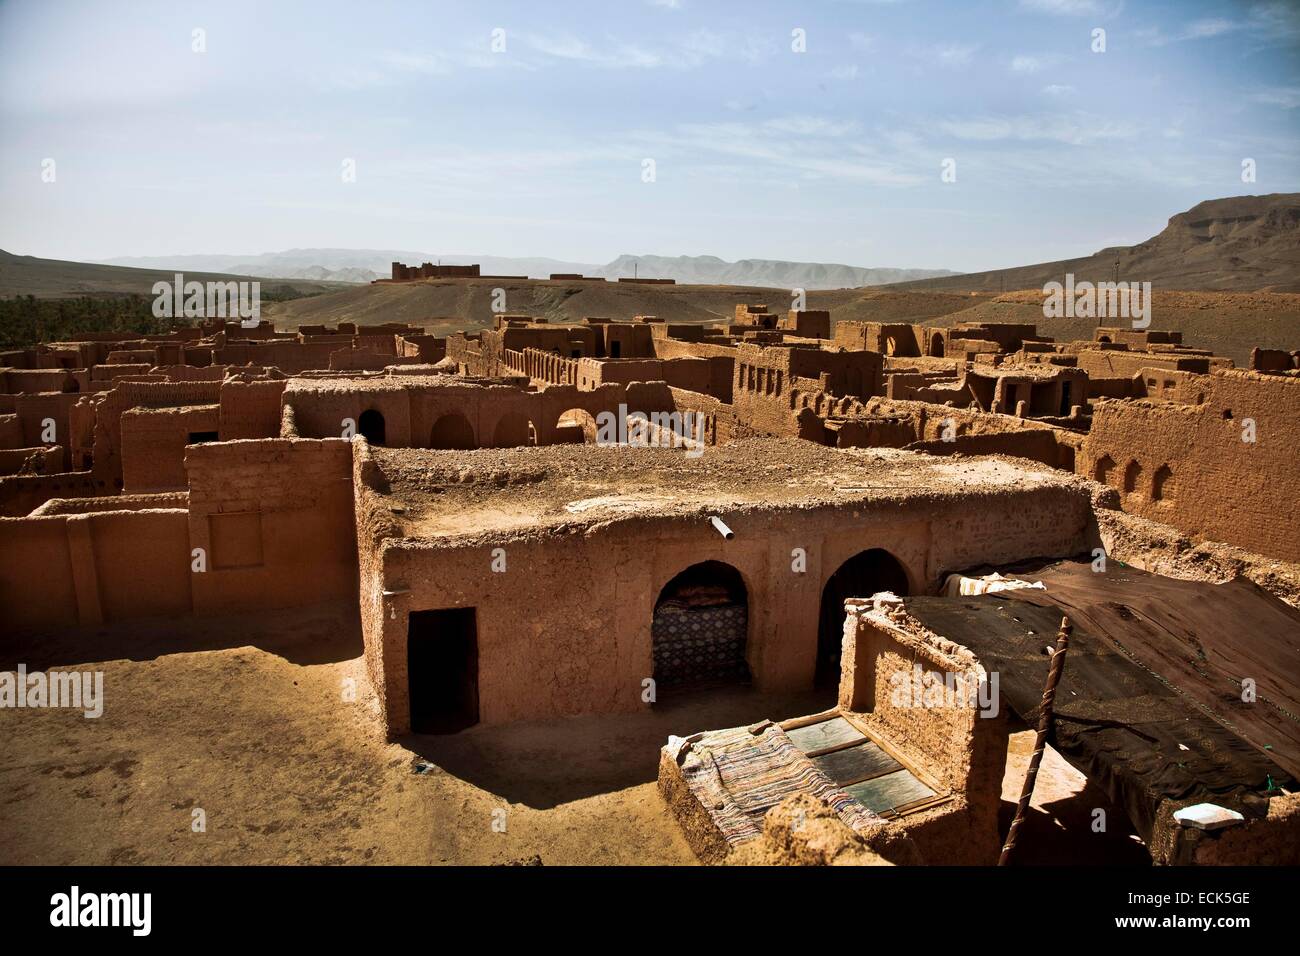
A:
[861,576]
[198,438]
[615,349]
[1065,398]
[700,628]
[371,425]
[442,668]
[452,431]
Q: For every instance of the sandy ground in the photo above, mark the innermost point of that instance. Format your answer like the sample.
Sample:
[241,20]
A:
[246,719]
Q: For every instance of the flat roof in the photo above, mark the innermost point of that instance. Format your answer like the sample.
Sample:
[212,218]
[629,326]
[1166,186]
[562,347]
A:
[442,494]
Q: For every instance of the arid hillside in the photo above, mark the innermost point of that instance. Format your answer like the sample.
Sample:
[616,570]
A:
[1243,243]
[60,279]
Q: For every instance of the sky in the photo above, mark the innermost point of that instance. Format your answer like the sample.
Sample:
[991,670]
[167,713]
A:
[961,135]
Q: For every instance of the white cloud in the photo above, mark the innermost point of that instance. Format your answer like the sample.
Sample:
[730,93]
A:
[1058,89]
[1069,8]
[1208,28]
[1287,97]
[414,62]
[847,72]
[1028,64]
[1077,129]
[950,54]
[862,42]
[694,49]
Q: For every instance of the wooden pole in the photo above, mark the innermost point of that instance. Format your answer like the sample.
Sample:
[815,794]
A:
[1044,725]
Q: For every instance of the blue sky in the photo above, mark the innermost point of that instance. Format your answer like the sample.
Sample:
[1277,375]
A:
[832,154]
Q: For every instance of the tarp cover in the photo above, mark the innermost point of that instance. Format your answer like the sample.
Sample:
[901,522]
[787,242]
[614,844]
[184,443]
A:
[1130,730]
[1205,639]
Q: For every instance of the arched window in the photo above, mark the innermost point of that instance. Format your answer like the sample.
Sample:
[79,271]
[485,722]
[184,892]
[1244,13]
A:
[1132,475]
[1102,469]
[1162,484]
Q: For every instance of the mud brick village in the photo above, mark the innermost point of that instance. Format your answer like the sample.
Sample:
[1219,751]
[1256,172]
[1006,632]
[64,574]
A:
[777,588]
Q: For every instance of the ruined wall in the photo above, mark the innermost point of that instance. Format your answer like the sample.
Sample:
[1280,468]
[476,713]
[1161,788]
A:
[961,747]
[127,395]
[153,444]
[274,518]
[250,409]
[20,494]
[1189,466]
[89,569]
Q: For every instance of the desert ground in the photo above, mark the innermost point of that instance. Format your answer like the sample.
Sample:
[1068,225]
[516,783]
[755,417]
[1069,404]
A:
[246,720]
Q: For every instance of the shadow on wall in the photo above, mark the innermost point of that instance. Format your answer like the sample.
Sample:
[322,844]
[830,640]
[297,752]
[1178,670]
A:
[322,634]
[542,764]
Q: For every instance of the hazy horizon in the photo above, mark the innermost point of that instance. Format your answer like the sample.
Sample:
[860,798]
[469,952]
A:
[831,154]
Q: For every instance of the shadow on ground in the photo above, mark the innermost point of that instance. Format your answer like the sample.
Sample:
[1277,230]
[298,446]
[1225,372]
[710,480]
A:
[322,634]
[542,764]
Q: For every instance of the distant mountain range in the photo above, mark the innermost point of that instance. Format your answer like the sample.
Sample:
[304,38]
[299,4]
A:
[1242,243]
[363,265]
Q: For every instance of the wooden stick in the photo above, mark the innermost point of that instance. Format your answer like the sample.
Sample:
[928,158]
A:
[1044,725]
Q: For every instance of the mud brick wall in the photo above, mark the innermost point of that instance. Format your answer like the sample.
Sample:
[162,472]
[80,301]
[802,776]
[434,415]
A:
[547,663]
[128,395]
[33,411]
[153,445]
[275,520]
[21,494]
[250,409]
[89,569]
[1187,464]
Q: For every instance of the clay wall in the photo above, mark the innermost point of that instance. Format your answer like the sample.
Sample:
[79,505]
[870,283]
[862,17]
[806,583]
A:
[20,494]
[250,409]
[274,518]
[88,569]
[153,444]
[537,660]
[1187,465]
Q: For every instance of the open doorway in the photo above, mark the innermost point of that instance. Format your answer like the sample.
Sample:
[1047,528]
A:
[371,425]
[861,576]
[452,431]
[442,668]
[700,628]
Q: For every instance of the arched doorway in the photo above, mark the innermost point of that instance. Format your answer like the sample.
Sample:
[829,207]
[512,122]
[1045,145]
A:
[575,426]
[861,576]
[513,430]
[371,426]
[936,345]
[700,629]
[452,430]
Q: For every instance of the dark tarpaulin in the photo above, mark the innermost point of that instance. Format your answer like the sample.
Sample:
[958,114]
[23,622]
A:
[1117,722]
[1205,639]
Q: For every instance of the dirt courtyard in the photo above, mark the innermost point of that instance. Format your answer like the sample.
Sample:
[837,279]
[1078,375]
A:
[252,721]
